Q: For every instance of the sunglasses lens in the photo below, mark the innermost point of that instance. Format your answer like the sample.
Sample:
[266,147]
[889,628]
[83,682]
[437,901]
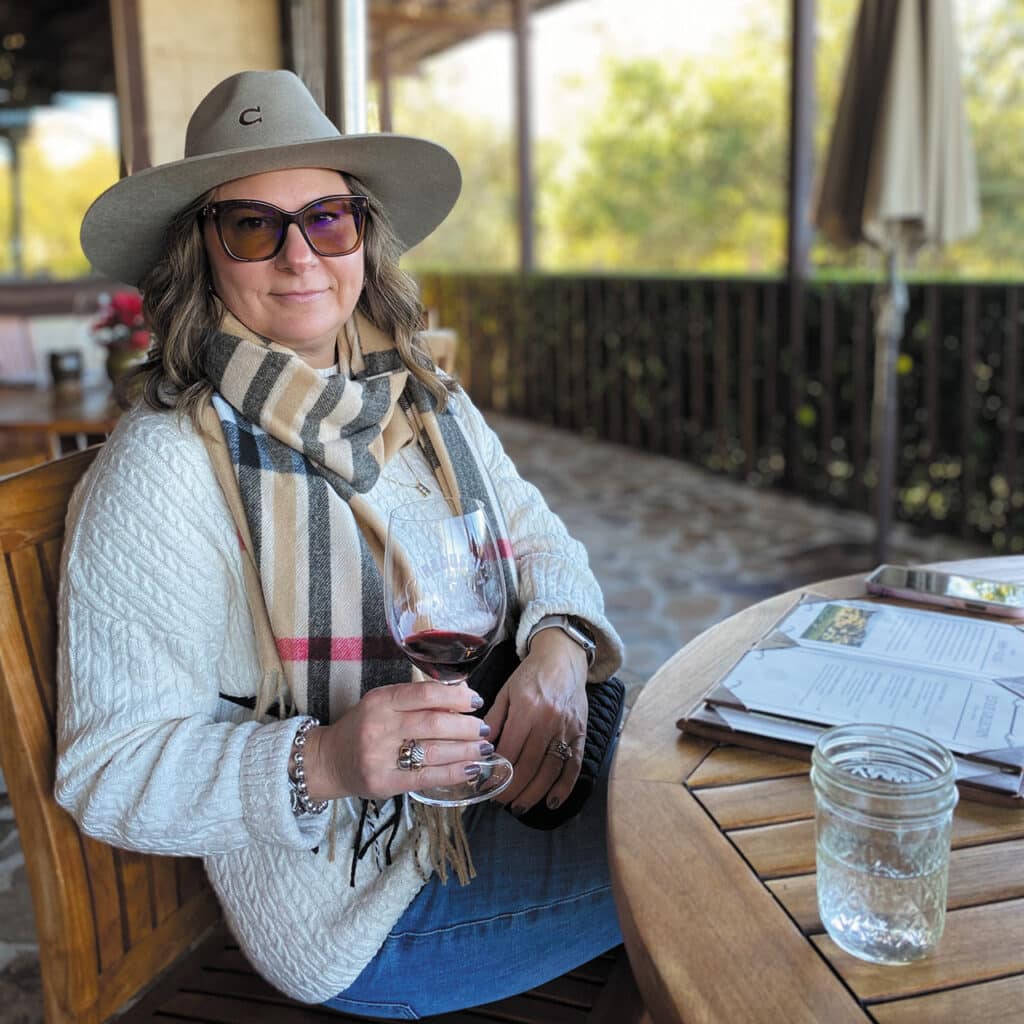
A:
[333,226]
[250,231]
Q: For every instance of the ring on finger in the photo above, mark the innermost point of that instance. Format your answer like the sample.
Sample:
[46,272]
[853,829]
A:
[411,756]
[560,749]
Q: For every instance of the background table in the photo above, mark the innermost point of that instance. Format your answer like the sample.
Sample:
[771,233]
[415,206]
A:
[46,422]
[712,854]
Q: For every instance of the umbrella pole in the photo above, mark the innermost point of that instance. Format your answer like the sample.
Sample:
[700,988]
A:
[890,309]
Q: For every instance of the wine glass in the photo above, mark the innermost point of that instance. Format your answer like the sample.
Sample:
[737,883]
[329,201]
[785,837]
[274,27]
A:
[444,596]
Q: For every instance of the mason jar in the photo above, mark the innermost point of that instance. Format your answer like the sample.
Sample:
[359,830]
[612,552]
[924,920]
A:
[884,800]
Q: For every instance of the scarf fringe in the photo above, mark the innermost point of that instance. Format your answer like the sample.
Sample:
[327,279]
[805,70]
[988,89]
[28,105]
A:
[332,832]
[273,688]
[449,844]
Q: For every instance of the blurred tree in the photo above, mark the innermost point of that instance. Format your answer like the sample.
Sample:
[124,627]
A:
[992,41]
[481,231]
[682,169]
[682,165]
[55,198]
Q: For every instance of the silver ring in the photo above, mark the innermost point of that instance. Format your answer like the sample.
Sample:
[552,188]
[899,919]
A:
[560,749]
[411,756]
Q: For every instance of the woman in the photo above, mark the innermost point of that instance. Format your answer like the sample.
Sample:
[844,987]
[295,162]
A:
[227,684]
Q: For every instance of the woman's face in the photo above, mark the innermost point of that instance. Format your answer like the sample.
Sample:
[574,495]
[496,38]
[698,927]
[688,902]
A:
[298,298]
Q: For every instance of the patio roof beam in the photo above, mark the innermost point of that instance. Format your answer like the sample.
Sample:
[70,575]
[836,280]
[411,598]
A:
[408,46]
[472,23]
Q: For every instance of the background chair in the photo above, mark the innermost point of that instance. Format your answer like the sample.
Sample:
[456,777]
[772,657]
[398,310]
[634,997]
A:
[17,353]
[134,936]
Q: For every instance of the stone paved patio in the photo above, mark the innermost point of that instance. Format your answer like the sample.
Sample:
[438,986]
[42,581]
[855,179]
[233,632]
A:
[676,550]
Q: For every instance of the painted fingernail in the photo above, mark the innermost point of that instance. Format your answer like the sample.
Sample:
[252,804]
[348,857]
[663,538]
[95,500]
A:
[486,748]
[553,802]
[472,770]
[477,701]
[485,729]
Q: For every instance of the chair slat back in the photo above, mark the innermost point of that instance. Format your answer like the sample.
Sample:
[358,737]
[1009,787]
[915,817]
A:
[108,920]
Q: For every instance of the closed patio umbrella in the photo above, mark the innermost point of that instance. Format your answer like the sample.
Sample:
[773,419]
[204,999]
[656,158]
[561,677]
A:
[899,175]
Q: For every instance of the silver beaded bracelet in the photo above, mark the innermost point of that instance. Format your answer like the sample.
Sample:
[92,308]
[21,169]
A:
[301,803]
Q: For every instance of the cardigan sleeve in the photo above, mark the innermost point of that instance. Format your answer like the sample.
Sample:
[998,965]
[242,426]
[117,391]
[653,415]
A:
[553,567]
[153,627]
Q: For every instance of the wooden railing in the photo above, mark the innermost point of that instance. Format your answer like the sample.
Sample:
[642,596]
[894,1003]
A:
[710,371]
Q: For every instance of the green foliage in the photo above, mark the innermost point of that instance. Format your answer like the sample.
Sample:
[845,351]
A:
[55,200]
[481,230]
[681,164]
[682,169]
[54,197]
[994,93]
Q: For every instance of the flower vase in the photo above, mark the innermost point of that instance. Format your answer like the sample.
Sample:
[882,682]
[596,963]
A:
[121,360]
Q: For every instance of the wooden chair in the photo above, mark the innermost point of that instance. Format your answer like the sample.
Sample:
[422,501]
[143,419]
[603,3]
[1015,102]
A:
[136,936]
[108,921]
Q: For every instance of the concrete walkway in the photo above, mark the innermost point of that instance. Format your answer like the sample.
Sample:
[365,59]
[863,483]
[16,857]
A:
[676,550]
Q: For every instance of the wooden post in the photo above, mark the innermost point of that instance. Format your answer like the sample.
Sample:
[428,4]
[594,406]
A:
[801,138]
[345,79]
[524,133]
[384,99]
[333,99]
[131,93]
[801,169]
[14,135]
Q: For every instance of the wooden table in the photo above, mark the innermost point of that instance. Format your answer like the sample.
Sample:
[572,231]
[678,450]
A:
[49,421]
[712,853]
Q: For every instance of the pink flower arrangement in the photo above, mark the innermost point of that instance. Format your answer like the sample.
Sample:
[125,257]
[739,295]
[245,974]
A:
[120,325]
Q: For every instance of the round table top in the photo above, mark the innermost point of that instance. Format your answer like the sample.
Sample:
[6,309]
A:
[712,855]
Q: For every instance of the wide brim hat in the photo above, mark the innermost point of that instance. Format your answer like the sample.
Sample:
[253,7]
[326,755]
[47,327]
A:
[260,121]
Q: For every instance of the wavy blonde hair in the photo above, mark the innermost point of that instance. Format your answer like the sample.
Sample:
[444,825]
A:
[181,310]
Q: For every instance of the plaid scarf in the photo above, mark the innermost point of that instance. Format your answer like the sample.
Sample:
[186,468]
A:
[305,450]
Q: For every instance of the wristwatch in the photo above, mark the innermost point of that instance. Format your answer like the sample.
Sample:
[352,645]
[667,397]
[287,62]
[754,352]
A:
[575,629]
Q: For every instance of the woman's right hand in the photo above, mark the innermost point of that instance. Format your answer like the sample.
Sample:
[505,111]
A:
[358,754]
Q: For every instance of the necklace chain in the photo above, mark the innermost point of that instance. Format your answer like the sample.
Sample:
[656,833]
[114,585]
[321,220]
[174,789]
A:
[419,486]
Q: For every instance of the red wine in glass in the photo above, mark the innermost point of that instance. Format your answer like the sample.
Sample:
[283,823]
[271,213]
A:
[445,655]
[444,597]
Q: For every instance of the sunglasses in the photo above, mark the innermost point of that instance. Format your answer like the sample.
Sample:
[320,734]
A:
[252,231]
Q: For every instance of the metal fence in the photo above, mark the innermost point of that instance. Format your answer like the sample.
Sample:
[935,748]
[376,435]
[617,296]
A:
[732,375]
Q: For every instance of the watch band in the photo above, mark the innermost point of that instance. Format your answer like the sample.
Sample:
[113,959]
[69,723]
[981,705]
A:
[575,629]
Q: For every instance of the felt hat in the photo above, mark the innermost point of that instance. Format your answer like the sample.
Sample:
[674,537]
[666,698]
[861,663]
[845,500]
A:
[260,121]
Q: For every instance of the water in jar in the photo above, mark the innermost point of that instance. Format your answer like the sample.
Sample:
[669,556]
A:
[884,908]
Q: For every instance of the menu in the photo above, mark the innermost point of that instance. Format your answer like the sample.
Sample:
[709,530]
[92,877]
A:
[834,662]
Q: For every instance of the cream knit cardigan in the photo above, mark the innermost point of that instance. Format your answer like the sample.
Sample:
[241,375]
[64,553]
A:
[154,623]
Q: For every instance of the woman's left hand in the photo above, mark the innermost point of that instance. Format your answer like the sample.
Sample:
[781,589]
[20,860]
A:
[543,703]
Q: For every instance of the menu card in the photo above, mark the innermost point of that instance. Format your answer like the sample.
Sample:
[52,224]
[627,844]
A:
[831,662]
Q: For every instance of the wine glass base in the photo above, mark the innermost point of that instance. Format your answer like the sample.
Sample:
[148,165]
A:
[495,775]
